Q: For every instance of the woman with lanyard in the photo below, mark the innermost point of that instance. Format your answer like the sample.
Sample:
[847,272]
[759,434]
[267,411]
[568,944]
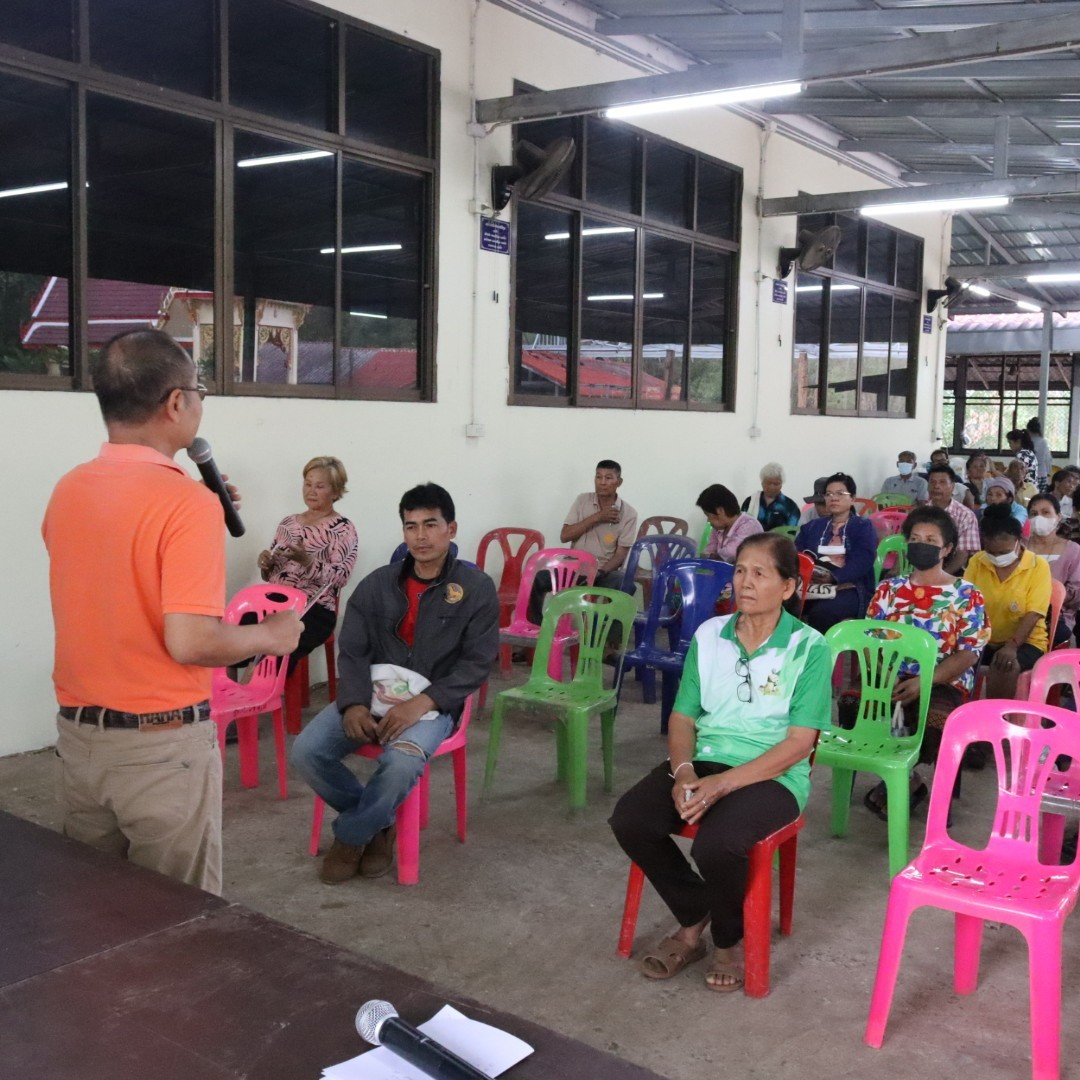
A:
[843,547]
[1063,556]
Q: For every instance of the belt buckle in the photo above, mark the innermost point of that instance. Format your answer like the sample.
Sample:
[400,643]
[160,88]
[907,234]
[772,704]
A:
[165,721]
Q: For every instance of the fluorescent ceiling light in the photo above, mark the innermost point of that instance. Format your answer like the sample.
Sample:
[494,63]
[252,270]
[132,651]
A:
[363,247]
[982,202]
[1025,306]
[699,101]
[10,193]
[978,290]
[281,159]
[368,315]
[818,288]
[626,296]
[607,230]
[1054,277]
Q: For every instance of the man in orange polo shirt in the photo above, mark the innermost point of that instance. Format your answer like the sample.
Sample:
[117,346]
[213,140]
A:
[137,578]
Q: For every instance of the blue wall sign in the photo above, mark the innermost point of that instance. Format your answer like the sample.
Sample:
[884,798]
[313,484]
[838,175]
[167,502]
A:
[495,235]
[927,323]
[779,292]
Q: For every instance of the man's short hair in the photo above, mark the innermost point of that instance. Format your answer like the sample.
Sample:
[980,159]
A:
[427,497]
[907,455]
[135,371]
[946,469]
[607,463]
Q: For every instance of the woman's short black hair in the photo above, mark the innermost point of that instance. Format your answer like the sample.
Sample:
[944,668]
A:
[1044,496]
[997,520]
[1022,437]
[1034,426]
[717,497]
[784,557]
[932,515]
[842,478]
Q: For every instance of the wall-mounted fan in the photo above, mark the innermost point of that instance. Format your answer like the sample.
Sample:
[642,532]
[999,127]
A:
[535,171]
[814,250]
[953,292]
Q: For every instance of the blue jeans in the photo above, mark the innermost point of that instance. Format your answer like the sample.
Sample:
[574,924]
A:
[364,809]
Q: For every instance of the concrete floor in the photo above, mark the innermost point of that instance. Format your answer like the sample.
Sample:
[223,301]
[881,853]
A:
[525,917]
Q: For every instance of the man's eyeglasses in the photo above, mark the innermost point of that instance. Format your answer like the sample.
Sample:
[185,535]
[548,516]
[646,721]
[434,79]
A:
[837,494]
[200,390]
[743,691]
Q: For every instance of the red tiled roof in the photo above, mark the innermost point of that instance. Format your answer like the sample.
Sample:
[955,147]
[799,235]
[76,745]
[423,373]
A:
[596,376]
[387,369]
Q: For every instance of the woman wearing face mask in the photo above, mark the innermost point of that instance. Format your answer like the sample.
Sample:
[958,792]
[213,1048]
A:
[952,610]
[1062,555]
[1015,584]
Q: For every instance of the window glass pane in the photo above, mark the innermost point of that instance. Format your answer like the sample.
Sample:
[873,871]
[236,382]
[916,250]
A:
[542,299]
[282,62]
[542,133]
[845,309]
[904,314]
[381,289]
[711,329]
[877,336]
[665,319]
[880,253]
[150,228]
[43,26]
[284,262]
[669,174]
[35,228]
[607,310]
[908,262]
[718,194]
[386,92]
[613,166]
[126,37]
[850,256]
[809,327]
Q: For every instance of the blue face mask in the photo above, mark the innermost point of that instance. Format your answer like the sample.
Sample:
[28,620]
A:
[904,468]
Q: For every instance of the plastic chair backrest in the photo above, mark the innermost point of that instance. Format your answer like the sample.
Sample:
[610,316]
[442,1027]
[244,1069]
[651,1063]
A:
[565,565]
[892,545]
[513,558]
[590,612]
[880,648]
[700,583]
[785,530]
[864,507]
[665,526]
[706,533]
[1025,753]
[1057,602]
[659,549]
[888,499]
[399,553]
[1061,668]
[888,522]
[806,569]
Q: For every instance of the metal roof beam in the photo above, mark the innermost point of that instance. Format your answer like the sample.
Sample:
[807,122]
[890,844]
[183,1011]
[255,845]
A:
[953,16]
[937,108]
[1017,271]
[1013,70]
[907,148]
[1017,187]
[1034,35]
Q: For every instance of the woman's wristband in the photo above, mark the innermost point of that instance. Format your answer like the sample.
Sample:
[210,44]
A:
[681,765]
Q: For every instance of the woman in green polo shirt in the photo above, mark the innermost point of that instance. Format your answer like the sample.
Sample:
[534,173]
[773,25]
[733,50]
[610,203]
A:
[755,691]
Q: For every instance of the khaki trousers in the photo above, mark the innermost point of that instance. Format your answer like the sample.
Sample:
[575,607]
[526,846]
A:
[152,796]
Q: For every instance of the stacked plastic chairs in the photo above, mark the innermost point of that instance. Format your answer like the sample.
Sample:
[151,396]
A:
[513,562]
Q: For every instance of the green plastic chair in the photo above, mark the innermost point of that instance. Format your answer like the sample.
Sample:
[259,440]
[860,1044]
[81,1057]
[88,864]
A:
[593,612]
[705,534]
[785,530]
[870,745]
[889,499]
[892,545]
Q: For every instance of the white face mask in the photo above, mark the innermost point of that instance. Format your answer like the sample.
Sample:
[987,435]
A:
[904,468]
[1005,560]
[1043,526]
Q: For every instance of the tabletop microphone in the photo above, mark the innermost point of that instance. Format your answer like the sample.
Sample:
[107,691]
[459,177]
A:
[199,452]
[379,1024]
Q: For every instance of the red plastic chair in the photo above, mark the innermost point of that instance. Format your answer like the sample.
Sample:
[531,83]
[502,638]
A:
[244,702]
[864,507]
[757,903]
[806,569]
[888,522]
[565,565]
[412,814]
[298,685]
[1003,882]
[513,561]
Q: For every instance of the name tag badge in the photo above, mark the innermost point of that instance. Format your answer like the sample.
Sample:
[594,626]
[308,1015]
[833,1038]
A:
[831,549]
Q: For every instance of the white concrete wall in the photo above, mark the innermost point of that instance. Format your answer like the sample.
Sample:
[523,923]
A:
[531,461]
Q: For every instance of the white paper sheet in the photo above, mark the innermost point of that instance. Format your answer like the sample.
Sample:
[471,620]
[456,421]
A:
[492,1051]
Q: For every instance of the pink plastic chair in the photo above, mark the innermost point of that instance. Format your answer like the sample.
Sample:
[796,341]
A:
[1005,881]
[244,702]
[513,559]
[298,686]
[565,565]
[888,522]
[412,814]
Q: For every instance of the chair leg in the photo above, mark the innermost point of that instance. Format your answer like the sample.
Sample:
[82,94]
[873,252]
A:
[789,852]
[316,825]
[331,669]
[892,947]
[279,747]
[293,702]
[607,739]
[898,801]
[461,790]
[408,838]
[425,796]
[494,735]
[841,799]
[247,742]
[1044,977]
[966,947]
[504,659]
[577,750]
[483,694]
[634,885]
[757,921]
[305,682]
[648,685]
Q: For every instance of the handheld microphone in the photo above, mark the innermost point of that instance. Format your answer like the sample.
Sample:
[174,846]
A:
[379,1024]
[199,452]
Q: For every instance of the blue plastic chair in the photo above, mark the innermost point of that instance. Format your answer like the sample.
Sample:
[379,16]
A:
[700,583]
[659,549]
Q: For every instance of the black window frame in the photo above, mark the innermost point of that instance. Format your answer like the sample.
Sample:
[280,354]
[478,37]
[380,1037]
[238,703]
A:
[81,77]
[580,207]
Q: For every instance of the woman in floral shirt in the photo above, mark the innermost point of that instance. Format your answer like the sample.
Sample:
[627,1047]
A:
[949,608]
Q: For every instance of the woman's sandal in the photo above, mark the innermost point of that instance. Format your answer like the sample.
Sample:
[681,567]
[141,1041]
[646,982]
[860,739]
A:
[723,967]
[669,957]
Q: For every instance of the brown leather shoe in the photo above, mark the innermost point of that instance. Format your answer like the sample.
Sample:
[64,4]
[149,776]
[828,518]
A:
[379,854]
[342,862]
